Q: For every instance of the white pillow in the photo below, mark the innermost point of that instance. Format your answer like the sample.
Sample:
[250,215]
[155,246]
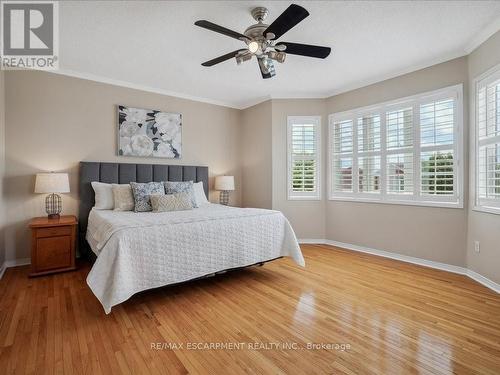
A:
[199,194]
[123,197]
[103,196]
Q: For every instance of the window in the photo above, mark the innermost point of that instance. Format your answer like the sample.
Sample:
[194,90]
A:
[406,151]
[487,145]
[304,150]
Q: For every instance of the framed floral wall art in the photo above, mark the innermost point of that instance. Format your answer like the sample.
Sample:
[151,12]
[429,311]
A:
[149,133]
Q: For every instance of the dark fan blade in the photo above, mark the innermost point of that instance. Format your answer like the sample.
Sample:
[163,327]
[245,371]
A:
[222,58]
[288,19]
[306,50]
[267,68]
[219,29]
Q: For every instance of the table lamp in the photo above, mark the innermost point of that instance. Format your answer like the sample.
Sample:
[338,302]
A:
[52,183]
[225,184]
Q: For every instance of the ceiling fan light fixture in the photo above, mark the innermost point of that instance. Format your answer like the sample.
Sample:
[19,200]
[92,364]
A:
[277,56]
[243,57]
[270,36]
[280,47]
[253,46]
[263,41]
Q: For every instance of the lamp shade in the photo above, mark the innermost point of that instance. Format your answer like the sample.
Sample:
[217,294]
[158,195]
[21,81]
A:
[224,183]
[52,183]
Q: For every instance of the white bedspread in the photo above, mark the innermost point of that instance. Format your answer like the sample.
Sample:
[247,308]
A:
[139,251]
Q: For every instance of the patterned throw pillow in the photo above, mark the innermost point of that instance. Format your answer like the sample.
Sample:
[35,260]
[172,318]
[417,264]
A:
[171,202]
[142,191]
[123,197]
[173,187]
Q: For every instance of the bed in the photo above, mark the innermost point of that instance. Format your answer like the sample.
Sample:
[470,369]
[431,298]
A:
[133,252]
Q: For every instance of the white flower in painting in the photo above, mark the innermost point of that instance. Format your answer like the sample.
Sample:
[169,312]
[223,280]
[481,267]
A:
[168,125]
[167,133]
[142,145]
[125,146]
[136,115]
[163,118]
[164,151]
[177,143]
[128,128]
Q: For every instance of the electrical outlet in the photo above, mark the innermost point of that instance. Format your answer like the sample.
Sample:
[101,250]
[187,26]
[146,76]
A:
[476,247]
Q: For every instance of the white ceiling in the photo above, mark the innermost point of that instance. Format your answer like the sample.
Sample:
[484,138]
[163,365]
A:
[153,44]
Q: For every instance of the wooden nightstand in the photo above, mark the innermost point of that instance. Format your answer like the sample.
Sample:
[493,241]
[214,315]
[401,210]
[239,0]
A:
[52,244]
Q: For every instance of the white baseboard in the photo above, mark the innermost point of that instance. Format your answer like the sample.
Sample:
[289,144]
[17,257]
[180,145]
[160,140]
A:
[484,280]
[386,254]
[311,241]
[17,262]
[2,270]
[405,258]
[13,263]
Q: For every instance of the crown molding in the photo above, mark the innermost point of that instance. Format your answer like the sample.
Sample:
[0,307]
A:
[130,85]
[479,39]
[254,102]
[483,35]
[251,103]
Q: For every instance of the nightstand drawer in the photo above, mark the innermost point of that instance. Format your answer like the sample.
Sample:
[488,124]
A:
[53,252]
[51,232]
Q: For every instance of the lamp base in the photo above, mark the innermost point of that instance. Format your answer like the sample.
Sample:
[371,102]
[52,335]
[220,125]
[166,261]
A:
[53,206]
[224,197]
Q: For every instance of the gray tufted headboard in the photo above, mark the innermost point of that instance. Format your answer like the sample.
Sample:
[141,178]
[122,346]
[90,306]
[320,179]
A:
[123,173]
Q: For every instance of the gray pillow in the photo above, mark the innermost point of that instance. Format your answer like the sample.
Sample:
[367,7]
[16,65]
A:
[173,187]
[142,191]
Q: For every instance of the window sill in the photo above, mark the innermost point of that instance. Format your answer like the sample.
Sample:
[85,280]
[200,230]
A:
[438,204]
[487,210]
[304,198]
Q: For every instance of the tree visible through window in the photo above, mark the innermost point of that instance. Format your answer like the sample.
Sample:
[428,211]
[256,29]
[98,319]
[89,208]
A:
[437,173]
[303,157]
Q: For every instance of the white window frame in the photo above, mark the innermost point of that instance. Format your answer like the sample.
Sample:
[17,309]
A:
[491,206]
[293,195]
[416,199]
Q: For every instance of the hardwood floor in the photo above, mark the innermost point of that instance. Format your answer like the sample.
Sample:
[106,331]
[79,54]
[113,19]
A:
[391,317]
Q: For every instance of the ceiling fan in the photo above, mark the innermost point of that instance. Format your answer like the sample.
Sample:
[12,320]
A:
[261,40]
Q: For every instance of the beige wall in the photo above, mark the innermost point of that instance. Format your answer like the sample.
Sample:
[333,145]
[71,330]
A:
[437,234]
[256,155]
[2,167]
[54,121]
[264,162]
[483,227]
[307,217]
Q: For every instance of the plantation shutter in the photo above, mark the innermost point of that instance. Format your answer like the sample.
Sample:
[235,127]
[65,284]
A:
[488,143]
[408,151]
[399,131]
[437,156]
[342,147]
[368,139]
[303,155]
